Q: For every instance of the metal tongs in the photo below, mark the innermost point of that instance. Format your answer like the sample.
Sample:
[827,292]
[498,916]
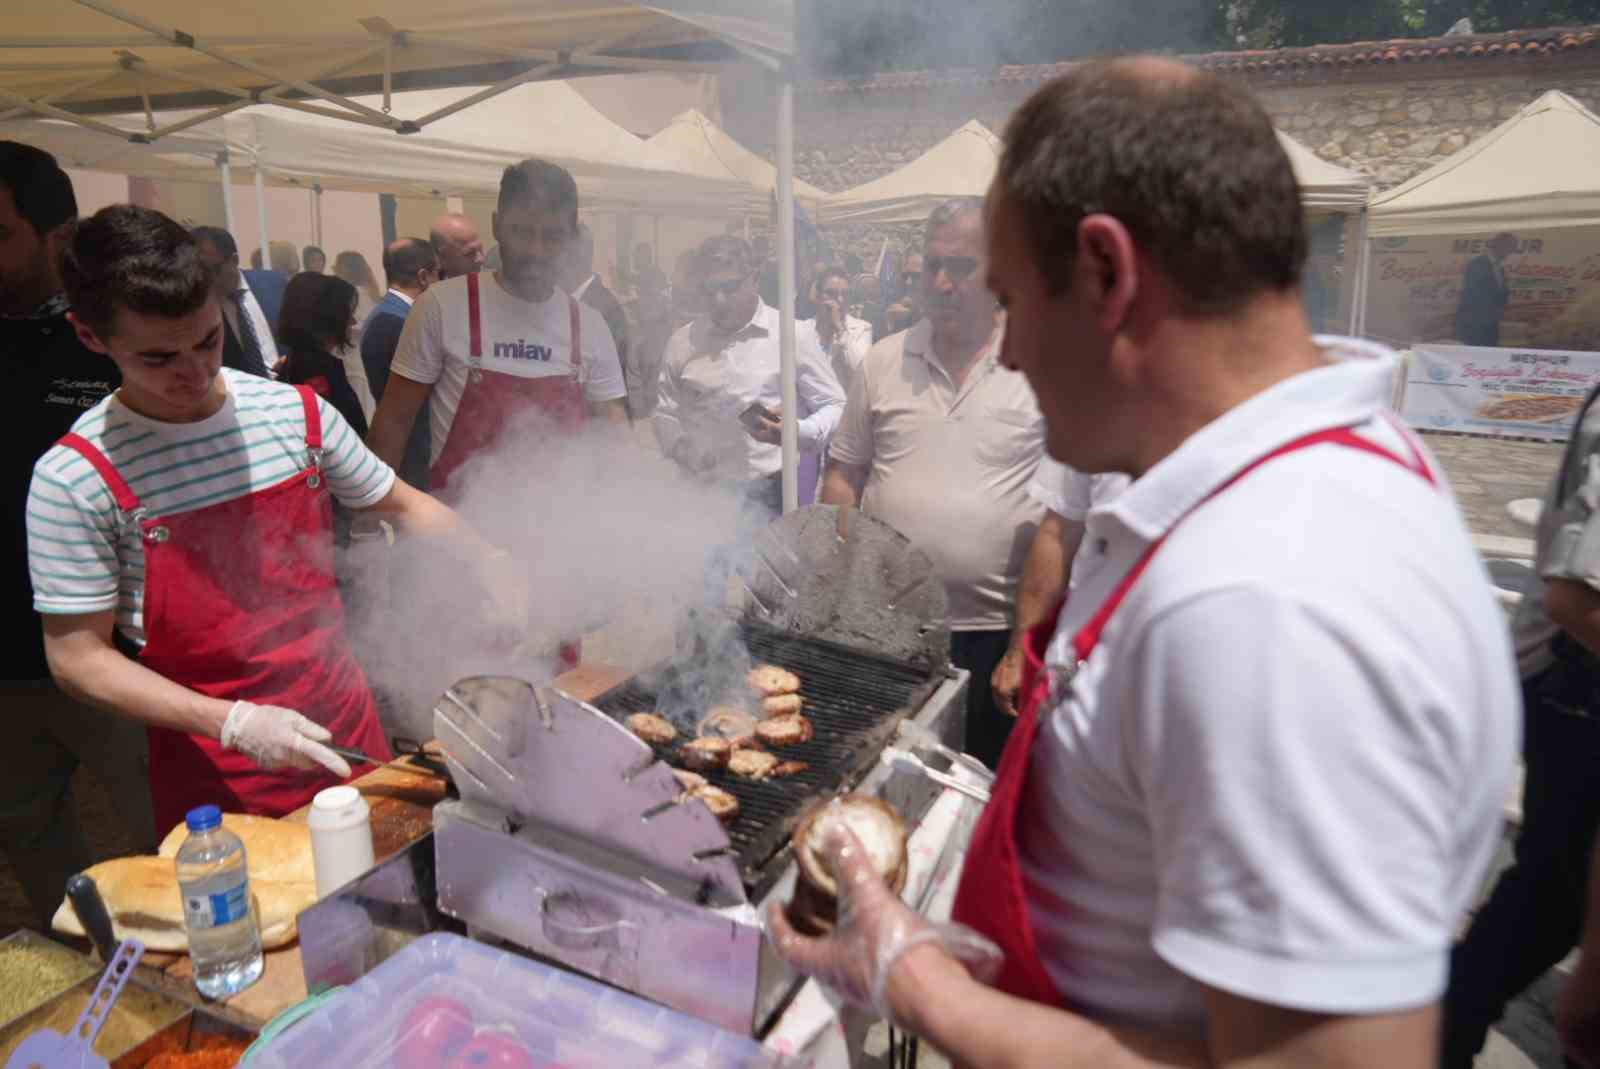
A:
[921,737]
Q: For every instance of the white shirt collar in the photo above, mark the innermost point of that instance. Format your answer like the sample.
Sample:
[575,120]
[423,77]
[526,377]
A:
[578,293]
[1349,391]
[406,297]
[764,323]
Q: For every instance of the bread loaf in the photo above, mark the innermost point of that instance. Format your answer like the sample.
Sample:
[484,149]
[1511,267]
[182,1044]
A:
[142,896]
[278,850]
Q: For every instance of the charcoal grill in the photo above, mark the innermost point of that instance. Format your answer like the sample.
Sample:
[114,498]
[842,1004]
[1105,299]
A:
[854,700]
[570,840]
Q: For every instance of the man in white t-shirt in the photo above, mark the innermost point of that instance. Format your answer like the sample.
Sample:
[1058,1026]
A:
[485,350]
[1242,815]
[1067,497]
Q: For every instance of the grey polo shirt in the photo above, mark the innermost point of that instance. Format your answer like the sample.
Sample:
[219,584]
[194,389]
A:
[1568,543]
[949,468]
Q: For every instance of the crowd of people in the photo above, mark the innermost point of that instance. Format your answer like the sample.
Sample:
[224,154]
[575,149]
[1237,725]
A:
[1252,705]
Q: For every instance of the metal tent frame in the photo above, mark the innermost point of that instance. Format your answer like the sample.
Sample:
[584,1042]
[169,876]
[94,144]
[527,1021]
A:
[145,65]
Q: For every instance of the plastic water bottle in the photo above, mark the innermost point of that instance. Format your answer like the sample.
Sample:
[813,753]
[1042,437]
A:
[224,942]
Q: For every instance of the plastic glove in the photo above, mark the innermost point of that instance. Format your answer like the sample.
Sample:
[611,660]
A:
[874,932]
[274,737]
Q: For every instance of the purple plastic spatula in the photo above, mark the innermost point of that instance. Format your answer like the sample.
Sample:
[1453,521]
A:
[47,1049]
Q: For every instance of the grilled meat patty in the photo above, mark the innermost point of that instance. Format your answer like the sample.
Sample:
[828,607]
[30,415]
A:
[706,753]
[651,728]
[726,721]
[752,764]
[723,806]
[785,730]
[780,705]
[766,680]
[688,780]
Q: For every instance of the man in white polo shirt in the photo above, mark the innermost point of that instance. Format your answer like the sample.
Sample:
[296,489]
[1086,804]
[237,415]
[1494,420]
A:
[940,441]
[1240,820]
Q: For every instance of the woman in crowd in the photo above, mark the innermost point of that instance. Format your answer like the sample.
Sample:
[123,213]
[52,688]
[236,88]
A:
[354,269]
[319,314]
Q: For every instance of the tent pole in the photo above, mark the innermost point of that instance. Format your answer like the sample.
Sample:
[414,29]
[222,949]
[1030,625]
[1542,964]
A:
[1363,277]
[790,436]
[261,213]
[316,212]
[227,191]
[1358,299]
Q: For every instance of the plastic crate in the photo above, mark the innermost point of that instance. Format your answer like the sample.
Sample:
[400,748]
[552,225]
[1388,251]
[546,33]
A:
[559,1019]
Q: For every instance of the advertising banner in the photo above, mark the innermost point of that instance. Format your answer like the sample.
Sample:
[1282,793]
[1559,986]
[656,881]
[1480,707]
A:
[1524,393]
[1553,276]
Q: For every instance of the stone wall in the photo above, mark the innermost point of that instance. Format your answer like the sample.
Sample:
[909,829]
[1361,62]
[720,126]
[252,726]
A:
[1391,122]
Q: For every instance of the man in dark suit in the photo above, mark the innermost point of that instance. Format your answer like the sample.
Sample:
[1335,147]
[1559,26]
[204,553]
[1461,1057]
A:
[1485,293]
[410,265]
[248,343]
[579,279]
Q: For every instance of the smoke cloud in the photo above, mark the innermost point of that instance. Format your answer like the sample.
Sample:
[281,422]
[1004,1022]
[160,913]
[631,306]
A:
[607,535]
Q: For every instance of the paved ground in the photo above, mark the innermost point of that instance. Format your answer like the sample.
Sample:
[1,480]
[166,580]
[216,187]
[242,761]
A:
[1487,474]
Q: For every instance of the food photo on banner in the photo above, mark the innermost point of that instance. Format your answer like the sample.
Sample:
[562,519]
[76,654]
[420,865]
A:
[1525,393]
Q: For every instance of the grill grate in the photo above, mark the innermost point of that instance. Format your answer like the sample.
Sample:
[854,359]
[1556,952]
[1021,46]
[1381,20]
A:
[854,700]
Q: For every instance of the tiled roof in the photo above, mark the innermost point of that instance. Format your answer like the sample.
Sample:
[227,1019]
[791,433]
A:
[1361,55]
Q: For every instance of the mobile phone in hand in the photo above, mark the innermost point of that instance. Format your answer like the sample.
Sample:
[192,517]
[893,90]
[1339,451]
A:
[753,416]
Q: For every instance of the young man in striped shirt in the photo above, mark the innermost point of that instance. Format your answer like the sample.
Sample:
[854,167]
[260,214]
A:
[186,522]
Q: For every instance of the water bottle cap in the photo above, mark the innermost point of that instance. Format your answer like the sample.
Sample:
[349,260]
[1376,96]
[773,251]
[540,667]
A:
[204,818]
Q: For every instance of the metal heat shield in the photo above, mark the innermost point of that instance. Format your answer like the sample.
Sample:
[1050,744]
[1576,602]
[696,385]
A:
[542,758]
[560,898]
[839,575]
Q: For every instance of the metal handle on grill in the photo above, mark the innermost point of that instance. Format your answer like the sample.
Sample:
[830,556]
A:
[897,758]
[920,736]
[577,936]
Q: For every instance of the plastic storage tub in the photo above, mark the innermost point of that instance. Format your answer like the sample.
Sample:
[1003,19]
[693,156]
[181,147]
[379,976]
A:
[417,1009]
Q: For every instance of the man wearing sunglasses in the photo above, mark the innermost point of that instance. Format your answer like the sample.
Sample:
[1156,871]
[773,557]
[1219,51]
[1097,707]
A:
[720,403]
[940,441]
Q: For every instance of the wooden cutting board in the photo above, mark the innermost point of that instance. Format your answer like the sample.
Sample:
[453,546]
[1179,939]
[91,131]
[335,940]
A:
[401,800]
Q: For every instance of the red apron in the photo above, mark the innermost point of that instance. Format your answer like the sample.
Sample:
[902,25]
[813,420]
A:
[492,400]
[240,604]
[991,896]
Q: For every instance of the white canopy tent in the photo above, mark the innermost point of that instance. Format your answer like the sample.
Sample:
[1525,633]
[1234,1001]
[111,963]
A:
[1324,186]
[1538,169]
[77,60]
[1325,189]
[963,164]
[465,153]
[693,144]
